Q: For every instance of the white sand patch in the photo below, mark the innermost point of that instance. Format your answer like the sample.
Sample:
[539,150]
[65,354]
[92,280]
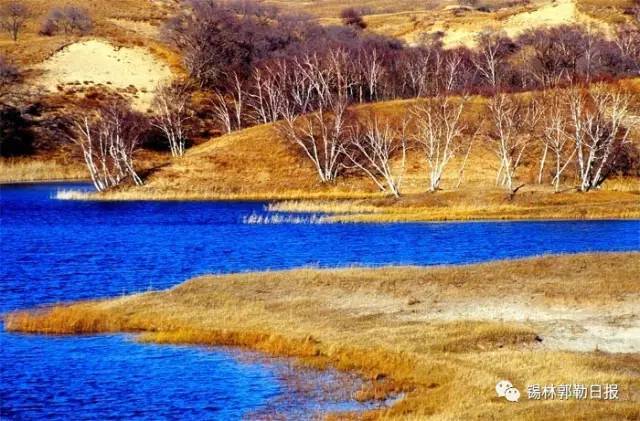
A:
[611,329]
[571,327]
[562,12]
[96,62]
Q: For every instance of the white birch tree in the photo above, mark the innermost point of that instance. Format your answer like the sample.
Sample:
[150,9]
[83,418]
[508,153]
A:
[170,108]
[108,140]
[599,134]
[373,150]
[440,133]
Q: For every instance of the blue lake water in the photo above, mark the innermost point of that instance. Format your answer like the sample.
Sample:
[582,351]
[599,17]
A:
[53,251]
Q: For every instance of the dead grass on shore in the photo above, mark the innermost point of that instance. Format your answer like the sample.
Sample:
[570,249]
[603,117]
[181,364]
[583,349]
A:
[384,324]
[20,170]
[477,205]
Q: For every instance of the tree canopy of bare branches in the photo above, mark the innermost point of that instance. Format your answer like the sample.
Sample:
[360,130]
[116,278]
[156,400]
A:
[170,108]
[108,139]
[599,133]
[13,17]
[372,149]
[219,39]
[440,132]
[513,122]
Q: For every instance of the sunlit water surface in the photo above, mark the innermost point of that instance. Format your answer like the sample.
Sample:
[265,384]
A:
[53,251]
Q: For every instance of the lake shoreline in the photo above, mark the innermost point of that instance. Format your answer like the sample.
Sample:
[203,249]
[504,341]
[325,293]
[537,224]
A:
[417,331]
[448,206]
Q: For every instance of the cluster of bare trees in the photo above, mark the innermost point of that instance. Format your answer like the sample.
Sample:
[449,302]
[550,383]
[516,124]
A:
[583,128]
[237,39]
[68,19]
[258,66]
[108,139]
[323,133]
[440,131]
[170,114]
[13,17]
[512,123]
[597,126]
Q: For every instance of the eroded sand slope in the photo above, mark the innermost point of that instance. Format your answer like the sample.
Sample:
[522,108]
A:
[96,62]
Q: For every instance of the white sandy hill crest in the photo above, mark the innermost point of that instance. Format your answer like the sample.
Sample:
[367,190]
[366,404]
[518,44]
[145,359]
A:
[560,12]
[133,71]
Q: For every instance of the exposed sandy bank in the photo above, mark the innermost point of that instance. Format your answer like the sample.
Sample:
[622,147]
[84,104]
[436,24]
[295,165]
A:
[96,62]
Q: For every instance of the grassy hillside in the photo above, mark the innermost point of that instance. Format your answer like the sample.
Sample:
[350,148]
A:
[259,164]
[441,336]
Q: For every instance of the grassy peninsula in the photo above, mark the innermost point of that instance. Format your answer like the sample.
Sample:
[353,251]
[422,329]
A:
[440,337]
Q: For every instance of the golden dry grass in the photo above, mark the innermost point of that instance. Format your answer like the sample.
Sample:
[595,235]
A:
[382,324]
[114,21]
[16,170]
[477,205]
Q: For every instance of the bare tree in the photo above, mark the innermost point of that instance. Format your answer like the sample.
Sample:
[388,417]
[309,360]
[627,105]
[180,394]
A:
[440,132]
[372,151]
[108,139]
[13,17]
[597,120]
[322,134]
[415,72]
[510,116]
[267,99]
[493,48]
[222,111]
[371,66]
[170,107]
[627,40]
[556,139]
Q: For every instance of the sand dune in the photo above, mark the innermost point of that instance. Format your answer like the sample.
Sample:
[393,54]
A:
[562,12]
[96,62]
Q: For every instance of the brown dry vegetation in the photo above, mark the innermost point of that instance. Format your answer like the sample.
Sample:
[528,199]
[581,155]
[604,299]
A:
[611,11]
[478,205]
[388,325]
[16,170]
[33,48]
